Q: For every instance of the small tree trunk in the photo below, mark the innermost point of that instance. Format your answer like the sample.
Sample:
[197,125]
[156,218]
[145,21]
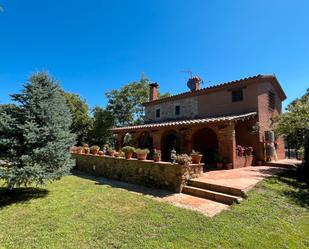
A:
[9,189]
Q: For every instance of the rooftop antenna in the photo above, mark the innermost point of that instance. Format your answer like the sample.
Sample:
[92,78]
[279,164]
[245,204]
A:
[189,72]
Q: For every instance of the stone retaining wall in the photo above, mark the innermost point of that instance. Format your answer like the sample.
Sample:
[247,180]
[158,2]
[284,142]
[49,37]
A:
[163,175]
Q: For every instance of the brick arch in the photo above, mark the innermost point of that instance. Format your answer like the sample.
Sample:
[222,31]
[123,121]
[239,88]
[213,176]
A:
[205,140]
[145,140]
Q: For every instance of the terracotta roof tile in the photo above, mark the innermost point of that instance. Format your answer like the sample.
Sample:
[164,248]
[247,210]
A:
[186,122]
[219,86]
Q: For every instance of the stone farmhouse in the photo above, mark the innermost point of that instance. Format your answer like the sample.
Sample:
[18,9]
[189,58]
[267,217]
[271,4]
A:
[211,120]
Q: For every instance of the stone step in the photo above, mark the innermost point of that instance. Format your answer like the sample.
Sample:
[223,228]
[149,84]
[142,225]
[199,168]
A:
[211,195]
[216,188]
[281,165]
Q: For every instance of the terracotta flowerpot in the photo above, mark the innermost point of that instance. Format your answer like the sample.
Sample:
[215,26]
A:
[128,155]
[95,152]
[79,151]
[240,153]
[259,163]
[196,158]
[141,156]
[228,166]
[86,151]
[156,158]
[111,153]
[219,165]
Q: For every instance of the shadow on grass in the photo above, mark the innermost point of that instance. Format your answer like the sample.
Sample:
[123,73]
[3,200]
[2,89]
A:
[124,185]
[20,195]
[299,191]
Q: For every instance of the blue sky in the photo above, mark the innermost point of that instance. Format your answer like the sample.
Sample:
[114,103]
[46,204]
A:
[94,46]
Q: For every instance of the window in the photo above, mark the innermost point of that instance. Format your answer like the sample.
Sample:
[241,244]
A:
[271,100]
[177,110]
[237,95]
[158,113]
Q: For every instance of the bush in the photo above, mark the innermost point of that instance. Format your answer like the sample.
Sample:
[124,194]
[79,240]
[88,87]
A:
[142,151]
[94,148]
[127,149]
[195,152]
[110,149]
[183,159]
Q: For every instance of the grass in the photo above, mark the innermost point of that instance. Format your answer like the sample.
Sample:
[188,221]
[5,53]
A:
[78,213]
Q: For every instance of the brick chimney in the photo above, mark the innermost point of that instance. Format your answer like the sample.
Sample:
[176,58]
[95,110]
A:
[153,91]
[194,83]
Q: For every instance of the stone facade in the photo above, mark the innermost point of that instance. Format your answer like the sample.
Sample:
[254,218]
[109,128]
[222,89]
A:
[148,173]
[188,110]
[216,101]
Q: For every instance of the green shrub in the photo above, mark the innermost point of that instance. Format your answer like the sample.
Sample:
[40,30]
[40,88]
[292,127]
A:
[183,159]
[142,151]
[110,149]
[127,149]
[94,147]
[195,152]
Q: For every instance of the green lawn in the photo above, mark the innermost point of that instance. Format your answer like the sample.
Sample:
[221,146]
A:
[78,213]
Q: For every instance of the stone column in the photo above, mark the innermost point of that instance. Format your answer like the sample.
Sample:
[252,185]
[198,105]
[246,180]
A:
[186,140]
[227,142]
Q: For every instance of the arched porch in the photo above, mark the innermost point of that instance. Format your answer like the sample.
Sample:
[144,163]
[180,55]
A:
[205,140]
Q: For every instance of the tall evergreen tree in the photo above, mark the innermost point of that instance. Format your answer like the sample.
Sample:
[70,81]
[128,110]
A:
[35,137]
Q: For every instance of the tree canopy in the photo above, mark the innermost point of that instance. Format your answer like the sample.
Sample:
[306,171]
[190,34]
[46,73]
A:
[126,103]
[81,120]
[295,122]
[35,136]
[100,133]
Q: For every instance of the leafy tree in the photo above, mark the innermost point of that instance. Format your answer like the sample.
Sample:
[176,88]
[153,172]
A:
[35,137]
[103,120]
[126,103]
[295,123]
[81,121]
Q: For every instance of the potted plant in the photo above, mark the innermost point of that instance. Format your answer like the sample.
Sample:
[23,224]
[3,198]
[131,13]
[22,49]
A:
[73,149]
[219,161]
[121,153]
[142,153]
[183,159]
[249,151]
[227,164]
[128,151]
[101,153]
[86,150]
[110,151]
[157,155]
[94,149]
[196,157]
[240,150]
[79,150]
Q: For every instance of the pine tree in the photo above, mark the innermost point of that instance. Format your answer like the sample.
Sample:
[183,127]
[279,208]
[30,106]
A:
[35,137]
